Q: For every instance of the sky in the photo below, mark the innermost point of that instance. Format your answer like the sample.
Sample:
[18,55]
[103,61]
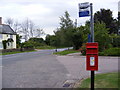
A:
[46,13]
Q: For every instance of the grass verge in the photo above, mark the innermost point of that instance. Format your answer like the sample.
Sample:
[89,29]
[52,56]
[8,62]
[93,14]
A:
[66,52]
[45,47]
[108,80]
[7,53]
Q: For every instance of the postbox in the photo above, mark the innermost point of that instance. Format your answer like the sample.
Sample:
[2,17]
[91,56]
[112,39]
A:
[92,56]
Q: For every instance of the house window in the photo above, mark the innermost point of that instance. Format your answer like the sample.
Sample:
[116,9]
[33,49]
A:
[1,46]
[0,36]
[11,36]
[8,44]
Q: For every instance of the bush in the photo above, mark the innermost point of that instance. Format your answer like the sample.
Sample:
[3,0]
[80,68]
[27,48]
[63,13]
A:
[116,41]
[111,52]
[27,45]
[83,49]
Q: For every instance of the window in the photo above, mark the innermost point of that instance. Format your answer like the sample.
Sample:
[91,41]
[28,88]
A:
[11,36]
[1,46]
[8,44]
[0,36]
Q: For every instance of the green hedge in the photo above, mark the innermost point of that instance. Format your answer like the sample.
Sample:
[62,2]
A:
[110,52]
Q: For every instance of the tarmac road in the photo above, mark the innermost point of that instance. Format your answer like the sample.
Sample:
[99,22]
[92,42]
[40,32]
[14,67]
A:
[32,70]
[41,69]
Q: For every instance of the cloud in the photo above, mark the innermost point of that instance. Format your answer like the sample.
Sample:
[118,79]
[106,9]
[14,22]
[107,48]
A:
[46,13]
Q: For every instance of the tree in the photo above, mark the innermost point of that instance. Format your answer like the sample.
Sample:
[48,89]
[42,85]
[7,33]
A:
[25,29]
[64,32]
[38,33]
[16,26]
[38,40]
[47,39]
[29,30]
[18,40]
[106,17]
[9,21]
[54,41]
[102,36]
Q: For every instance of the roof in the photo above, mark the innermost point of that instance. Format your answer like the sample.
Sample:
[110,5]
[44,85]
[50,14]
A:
[6,29]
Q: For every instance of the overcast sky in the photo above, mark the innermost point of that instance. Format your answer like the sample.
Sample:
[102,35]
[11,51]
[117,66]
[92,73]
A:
[46,13]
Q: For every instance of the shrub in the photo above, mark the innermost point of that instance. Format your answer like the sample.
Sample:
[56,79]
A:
[83,49]
[116,41]
[111,52]
[28,45]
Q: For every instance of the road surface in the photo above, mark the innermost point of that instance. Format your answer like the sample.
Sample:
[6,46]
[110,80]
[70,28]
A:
[41,69]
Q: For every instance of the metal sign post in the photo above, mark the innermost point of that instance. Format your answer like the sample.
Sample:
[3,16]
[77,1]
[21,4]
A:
[92,38]
[86,9]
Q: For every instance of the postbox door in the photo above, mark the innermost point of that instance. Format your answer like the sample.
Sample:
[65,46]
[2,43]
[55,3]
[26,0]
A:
[92,62]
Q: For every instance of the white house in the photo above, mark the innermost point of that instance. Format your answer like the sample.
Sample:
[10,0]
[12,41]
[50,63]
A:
[7,35]
[119,6]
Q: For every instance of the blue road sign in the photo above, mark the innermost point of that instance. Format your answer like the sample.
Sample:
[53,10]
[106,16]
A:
[84,13]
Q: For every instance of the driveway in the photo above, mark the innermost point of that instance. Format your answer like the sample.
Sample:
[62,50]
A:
[76,65]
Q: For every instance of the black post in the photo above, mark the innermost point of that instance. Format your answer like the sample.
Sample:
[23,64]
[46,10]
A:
[92,40]
[92,80]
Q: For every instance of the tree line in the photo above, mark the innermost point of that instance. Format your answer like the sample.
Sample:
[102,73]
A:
[68,35]
[27,28]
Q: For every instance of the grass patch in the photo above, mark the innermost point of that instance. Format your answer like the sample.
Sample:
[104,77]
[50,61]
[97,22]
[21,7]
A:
[7,53]
[45,47]
[110,52]
[66,52]
[108,80]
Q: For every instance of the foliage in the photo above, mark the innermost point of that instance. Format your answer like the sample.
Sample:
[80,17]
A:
[18,40]
[45,47]
[54,41]
[47,39]
[106,16]
[27,45]
[108,80]
[66,52]
[110,52]
[77,38]
[115,40]
[37,40]
[83,49]
[68,35]
[64,33]
[102,36]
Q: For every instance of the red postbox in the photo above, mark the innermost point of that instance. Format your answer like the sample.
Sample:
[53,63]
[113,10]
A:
[92,56]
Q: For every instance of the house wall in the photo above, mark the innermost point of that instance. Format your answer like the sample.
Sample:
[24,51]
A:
[12,44]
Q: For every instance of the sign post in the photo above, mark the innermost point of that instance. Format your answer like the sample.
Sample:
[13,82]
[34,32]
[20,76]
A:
[92,38]
[86,9]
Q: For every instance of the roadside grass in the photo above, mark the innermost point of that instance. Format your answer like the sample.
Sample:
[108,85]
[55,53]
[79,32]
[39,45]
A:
[45,47]
[66,52]
[108,80]
[7,53]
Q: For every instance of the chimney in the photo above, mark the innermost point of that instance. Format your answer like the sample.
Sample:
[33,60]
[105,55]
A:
[0,20]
